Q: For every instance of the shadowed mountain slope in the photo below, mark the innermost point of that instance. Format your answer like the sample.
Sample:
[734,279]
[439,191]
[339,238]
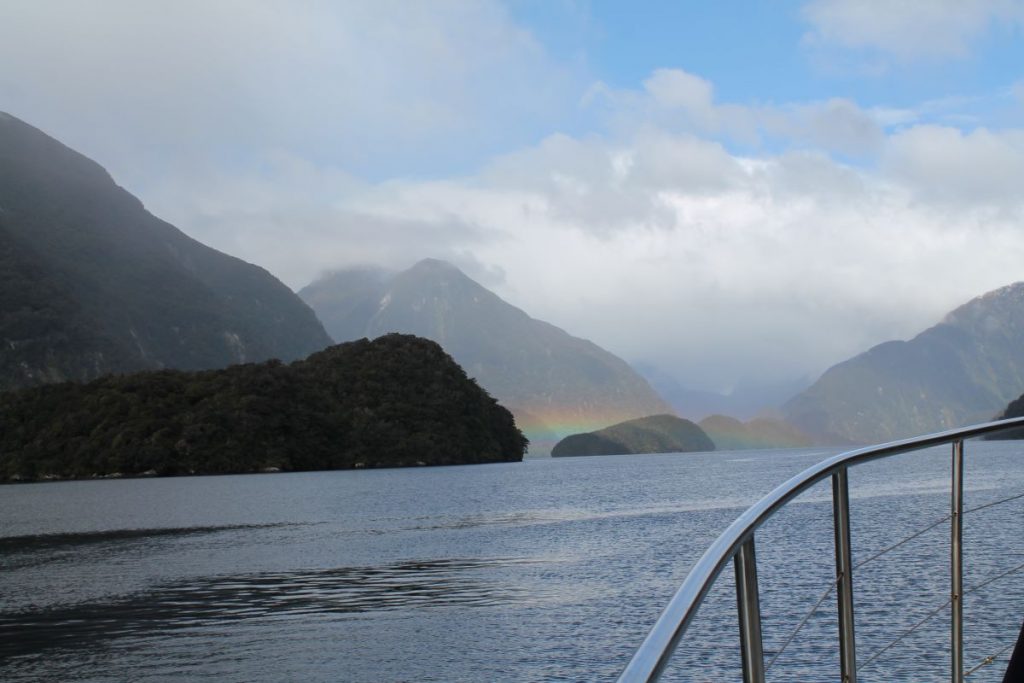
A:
[92,283]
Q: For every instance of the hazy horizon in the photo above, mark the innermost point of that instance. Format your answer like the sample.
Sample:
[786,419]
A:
[744,193]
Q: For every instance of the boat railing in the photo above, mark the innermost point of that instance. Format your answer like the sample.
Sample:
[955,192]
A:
[736,544]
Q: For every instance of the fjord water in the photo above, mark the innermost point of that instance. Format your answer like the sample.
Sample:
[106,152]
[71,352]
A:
[546,570]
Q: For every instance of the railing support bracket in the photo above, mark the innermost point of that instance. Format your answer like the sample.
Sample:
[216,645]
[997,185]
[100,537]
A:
[748,603]
[844,575]
[956,565]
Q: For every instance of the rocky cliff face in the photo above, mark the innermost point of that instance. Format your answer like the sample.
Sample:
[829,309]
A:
[553,383]
[963,370]
[92,283]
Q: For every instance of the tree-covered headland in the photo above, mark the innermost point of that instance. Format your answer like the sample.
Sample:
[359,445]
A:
[396,401]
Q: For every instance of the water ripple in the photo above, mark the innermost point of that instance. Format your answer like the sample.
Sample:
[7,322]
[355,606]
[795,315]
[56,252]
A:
[215,600]
[30,550]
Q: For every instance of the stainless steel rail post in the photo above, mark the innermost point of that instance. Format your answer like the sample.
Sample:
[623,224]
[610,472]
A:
[844,575]
[748,605]
[956,564]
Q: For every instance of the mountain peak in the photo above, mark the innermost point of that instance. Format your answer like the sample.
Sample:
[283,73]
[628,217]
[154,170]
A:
[438,285]
[1008,298]
[433,269]
[553,382]
[434,265]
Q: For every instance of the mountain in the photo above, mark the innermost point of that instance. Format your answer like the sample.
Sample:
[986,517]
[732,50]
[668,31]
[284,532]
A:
[92,283]
[730,434]
[961,371]
[653,434]
[396,401]
[1014,409]
[553,383]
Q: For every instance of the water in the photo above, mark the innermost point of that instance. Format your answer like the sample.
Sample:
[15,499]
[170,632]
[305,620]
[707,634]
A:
[546,570]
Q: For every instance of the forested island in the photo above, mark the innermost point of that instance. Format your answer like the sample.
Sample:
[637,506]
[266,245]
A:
[395,401]
[653,434]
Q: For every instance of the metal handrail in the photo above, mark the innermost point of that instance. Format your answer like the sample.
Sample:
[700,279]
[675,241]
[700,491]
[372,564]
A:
[737,544]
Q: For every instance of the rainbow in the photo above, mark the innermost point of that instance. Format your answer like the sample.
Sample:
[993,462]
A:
[545,425]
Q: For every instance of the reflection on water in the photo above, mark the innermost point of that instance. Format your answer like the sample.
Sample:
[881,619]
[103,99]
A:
[405,585]
[32,549]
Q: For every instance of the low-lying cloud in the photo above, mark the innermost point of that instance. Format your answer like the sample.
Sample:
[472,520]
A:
[669,249]
[717,240]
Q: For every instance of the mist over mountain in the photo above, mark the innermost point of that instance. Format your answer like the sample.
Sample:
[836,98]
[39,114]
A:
[729,434]
[748,399]
[963,370]
[554,383]
[92,283]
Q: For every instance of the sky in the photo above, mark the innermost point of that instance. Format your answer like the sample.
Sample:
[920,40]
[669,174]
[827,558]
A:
[729,192]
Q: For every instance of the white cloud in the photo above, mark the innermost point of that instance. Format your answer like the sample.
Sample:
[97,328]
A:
[298,219]
[665,248]
[675,89]
[795,265]
[891,116]
[944,165]
[366,85]
[658,242]
[907,30]
[675,100]
[267,138]
[839,125]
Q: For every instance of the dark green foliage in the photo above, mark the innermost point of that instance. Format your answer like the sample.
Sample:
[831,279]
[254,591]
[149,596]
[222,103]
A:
[92,283]
[395,401]
[654,434]
[588,443]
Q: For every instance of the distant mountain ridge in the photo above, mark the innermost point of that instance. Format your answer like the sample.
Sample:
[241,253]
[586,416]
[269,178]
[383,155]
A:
[92,283]
[553,383]
[963,370]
